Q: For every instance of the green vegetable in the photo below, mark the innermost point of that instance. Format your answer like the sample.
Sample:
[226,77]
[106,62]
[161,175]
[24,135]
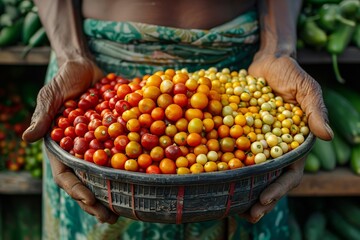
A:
[350,210]
[341,226]
[312,163]
[355,159]
[31,24]
[314,226]
[350,94]
[294,228]
[320,2]
[349,8]
[38,39]
[337,42]
[324,151]
[312,34]
[356,37]
[12,34]
[25,6]
[328,235]
[6,20]
[344,118]
[13,11]
[329,16]
[342,149]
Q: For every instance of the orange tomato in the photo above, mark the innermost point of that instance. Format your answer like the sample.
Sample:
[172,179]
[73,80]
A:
[235,163]
[151,92]
[158,113]
[180,99]
[153,169]
[157,153]
[115,129]
[191,113]
[182,124]
[158,127]
[133,149]
[164,100]
[133,98]
[193,139]
[146,105]
[173,112]
[199,100]
[144,160]
[167,166]
[243,143]
[145,120]
[180,138]
[180,78]
[118,160]
[154,80]
[131,165]
[123,90]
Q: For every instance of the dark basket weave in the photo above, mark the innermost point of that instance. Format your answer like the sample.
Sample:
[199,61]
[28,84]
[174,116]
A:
[178,198]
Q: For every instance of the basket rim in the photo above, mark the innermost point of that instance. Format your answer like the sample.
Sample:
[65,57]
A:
[175,179]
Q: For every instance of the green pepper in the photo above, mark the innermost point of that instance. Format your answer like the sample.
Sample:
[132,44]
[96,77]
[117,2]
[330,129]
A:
[312,34]
[349,8]
[329,16]
[356,36]
[320,2]
[337,43]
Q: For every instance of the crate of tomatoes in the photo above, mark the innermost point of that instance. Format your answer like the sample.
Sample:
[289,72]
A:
[178,147]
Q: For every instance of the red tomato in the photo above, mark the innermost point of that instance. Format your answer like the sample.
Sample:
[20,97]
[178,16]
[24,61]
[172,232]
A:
[67,143]
[173,152]
[80,145]
[88,155]
[121,106]
[149,141]
[153,169]
[57,134]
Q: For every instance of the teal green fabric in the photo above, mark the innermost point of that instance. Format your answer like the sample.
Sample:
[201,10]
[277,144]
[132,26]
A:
[135,49]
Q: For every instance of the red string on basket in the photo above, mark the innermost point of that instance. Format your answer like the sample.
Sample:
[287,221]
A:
[230,197]
[133,202]
[108,185]
[180,204]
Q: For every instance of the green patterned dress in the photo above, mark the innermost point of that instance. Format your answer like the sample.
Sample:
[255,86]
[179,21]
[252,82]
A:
[134,49]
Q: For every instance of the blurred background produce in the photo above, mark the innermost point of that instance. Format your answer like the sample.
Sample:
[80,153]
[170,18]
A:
[20,25]
[331,26]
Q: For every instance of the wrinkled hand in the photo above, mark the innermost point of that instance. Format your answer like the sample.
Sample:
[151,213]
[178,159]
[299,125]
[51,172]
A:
[73,78]
[289,80]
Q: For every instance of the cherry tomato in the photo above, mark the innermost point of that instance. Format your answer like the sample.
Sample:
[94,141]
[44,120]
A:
[100,157]
[57,134]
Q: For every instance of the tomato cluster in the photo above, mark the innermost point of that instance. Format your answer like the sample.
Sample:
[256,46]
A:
[179,122]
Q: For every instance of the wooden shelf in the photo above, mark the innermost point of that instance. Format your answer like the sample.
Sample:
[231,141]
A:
[12,56]
[340,182]
[311,56]
[19,183]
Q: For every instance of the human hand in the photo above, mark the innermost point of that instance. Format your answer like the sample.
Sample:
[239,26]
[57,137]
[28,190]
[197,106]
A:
[289,80]
[73,78]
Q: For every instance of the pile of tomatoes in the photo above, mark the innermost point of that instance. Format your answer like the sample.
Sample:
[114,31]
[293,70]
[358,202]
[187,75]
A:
[176,122]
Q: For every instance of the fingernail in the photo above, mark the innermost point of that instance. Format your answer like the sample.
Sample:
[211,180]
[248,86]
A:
[255,220]
[329,130]
[268,202]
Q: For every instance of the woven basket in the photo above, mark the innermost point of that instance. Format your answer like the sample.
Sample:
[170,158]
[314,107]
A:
[178,198]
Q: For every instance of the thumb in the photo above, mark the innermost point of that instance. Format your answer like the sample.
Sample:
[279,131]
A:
[48,102]
[311,101]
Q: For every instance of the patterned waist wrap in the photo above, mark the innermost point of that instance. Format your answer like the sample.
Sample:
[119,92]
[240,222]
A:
[135,49]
